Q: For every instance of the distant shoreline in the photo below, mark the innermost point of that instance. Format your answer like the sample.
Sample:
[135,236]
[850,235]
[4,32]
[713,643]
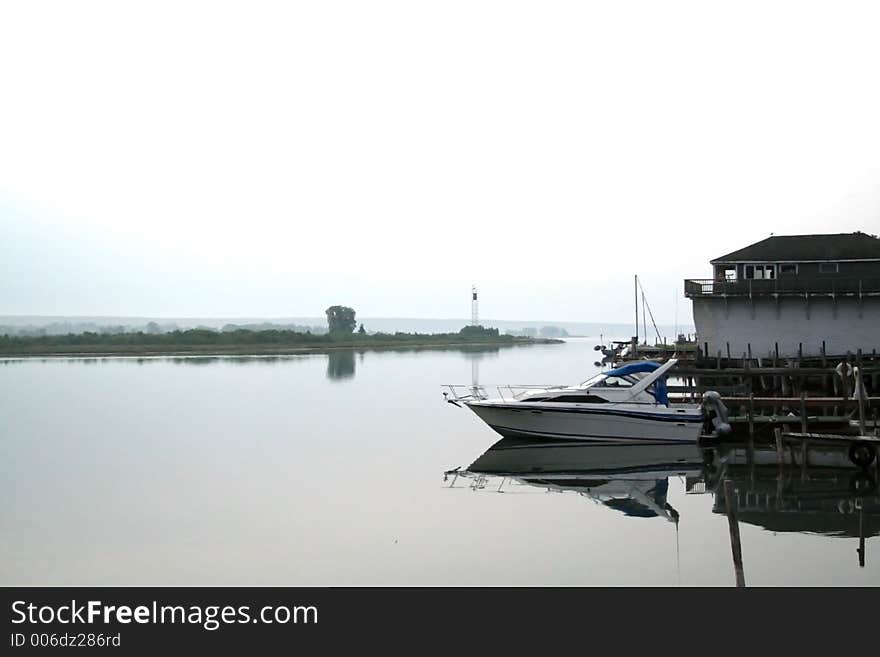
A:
[102,351]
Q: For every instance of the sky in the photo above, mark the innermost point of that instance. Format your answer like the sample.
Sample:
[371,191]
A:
[257,159]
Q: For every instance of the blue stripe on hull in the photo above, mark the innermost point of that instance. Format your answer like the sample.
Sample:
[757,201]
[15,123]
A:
[509,432]
[657,417]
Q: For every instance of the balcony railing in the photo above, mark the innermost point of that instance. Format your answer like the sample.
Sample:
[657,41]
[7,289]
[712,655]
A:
[707,287]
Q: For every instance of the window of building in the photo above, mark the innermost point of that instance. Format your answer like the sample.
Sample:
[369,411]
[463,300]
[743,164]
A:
[827,267]
[785,270]
[760,272]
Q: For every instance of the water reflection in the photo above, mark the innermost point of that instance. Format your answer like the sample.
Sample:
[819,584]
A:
[822,494]
[631,479]
[183,359]
[340,364]
[826,496]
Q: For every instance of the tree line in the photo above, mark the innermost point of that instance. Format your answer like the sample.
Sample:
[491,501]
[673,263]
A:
[341,331]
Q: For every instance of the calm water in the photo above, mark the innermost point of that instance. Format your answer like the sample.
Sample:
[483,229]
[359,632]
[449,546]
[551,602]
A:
[328,470]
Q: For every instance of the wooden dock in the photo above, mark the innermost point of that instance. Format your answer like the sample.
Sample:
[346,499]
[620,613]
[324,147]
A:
[800,399]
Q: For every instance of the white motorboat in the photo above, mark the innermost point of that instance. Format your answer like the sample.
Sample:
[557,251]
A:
[627,404]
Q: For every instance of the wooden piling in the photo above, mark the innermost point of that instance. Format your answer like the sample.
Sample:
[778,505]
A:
[844,379]
[861,395]
[733,526]
[750,459]
[751,413]
[803,412]
[780,453]
[861,549]
[804,450]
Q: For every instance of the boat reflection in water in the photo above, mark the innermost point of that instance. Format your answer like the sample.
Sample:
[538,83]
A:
[630,478]
[823,494]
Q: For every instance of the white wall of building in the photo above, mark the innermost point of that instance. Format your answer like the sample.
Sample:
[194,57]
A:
[844,326]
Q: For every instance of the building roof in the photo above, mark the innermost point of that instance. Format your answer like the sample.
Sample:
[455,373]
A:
[805,248]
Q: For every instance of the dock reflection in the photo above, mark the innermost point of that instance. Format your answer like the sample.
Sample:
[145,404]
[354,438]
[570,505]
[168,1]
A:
[823,495]
[829,496]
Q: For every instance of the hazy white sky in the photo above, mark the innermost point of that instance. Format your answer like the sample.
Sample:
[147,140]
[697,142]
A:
[271,159]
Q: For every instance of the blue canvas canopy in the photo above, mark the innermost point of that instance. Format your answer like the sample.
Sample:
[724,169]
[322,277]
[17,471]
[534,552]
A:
[660,392]
[632,368]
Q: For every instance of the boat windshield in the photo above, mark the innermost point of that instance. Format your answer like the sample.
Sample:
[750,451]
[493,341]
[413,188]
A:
[604,381]
[629,374]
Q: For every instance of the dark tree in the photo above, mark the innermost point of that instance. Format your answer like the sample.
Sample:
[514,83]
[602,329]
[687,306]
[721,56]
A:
[478,331]
[361,330]
[340,319]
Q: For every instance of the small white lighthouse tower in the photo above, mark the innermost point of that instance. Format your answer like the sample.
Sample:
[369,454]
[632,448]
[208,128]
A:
[475,310]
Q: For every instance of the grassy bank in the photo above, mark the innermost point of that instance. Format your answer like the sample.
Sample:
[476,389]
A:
[272,342]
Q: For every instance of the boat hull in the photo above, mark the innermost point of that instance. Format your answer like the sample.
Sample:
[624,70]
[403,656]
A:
[610,423]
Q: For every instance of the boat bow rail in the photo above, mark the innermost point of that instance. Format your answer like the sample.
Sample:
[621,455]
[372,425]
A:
[508,393]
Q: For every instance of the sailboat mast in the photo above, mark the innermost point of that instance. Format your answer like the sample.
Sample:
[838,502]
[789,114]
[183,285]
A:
[636,290]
